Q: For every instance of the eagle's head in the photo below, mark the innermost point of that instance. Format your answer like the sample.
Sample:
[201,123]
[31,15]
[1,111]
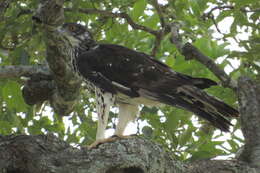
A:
[77,35]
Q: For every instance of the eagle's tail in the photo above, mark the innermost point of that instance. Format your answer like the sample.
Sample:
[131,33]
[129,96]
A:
[203,105]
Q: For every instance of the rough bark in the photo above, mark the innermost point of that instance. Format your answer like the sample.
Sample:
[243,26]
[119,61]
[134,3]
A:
[49,16]
[43,154]
[249,101]
[54,82]
[38,86]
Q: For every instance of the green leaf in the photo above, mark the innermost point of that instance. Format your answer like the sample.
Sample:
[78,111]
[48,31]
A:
[204,154]
[6,127]
[207,150]
[13,96]
[195,7]
[202,4]
[234,145]
[243,3]
[172,121]
[204,45]
[138,9]
[20,56]
[218,50]
[186,136]
[152,21]
[223,15]
[170,61]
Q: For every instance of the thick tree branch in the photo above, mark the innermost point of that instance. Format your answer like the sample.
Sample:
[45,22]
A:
[219,166]
[38,86]
[50,16]
[191,52]
[16,71]
[249,101]
[49,154]
[43,154]
[36,90]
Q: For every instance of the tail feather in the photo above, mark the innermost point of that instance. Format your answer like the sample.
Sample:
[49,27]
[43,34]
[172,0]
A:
[201,83]
[203,105]
[209,101]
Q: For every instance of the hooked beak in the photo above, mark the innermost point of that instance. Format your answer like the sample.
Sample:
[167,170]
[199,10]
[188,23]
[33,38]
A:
[60,29]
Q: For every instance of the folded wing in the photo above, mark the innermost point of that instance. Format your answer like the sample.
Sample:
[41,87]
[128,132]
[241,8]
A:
[119,69]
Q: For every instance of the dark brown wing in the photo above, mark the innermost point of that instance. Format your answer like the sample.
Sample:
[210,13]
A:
[137,74]
[134,69]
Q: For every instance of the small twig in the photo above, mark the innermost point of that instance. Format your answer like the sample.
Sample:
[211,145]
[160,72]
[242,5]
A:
[24,12]
[116,15]
[191,52]
[158,34]
[159,12]
[137,26]
[158,40]
[257,10]
[215,24]
[229,7]
[209,14]
[161,33]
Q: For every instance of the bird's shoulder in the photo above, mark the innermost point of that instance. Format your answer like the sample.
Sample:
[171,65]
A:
[117,55]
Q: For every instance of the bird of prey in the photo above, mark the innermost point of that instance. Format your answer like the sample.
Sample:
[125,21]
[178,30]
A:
[127,78]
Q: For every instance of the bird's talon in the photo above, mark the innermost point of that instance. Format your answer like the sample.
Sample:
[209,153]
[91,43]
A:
[99,142]
[115,136]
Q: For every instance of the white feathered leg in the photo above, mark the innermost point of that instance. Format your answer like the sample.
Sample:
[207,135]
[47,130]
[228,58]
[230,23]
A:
[127,113]
[104,102]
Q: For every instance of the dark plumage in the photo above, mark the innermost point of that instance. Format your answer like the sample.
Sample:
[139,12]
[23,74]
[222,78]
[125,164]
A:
[130,75]
[136,70]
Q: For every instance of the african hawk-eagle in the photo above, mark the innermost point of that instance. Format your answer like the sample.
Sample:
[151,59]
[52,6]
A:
[127,78]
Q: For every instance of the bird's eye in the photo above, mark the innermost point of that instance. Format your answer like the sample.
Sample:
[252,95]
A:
[72,28]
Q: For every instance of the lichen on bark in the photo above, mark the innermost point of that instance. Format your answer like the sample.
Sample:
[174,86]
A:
[47,153]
